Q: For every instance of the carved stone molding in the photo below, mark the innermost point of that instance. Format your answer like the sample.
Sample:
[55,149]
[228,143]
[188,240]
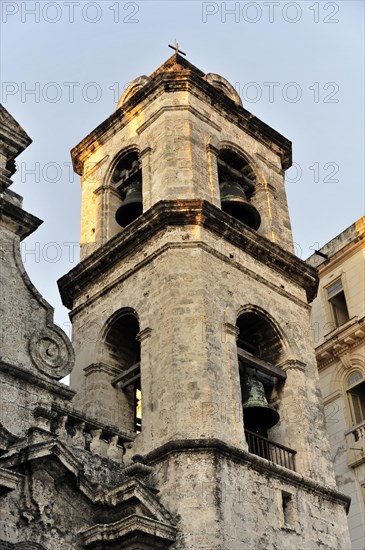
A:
[146,151]
[101,368]
[183,213]
[137,470]
[145,333]
[345,360]
[51,353]
[292,364]
[231,329]
[341,342]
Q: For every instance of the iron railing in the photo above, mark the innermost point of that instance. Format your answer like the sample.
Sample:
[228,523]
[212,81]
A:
[261,446]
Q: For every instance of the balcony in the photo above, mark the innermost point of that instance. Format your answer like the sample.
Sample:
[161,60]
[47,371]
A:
[355,438]
[261,446]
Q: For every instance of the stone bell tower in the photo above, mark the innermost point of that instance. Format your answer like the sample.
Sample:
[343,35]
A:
[191,320]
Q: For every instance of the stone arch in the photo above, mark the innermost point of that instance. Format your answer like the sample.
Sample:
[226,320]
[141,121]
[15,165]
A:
[119,348]
[124,179]
[286,351]
[237,184]
[236,148]
[354,394]
[127,149]
[258,343]
[262,385]
[119,320]
[338,380]
[357,360]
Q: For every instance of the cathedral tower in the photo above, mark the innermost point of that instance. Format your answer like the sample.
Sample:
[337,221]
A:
[190,316]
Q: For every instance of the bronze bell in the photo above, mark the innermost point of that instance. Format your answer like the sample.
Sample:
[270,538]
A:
[258,415]
[235,203]
[131,206]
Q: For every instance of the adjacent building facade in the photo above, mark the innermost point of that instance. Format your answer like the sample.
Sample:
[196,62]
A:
[338,328]
[194,418]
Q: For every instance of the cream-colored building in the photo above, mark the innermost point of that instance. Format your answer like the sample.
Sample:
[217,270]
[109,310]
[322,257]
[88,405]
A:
[338,326]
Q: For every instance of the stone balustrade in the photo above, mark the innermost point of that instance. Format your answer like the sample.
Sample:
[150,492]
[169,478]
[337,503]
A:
[78,430]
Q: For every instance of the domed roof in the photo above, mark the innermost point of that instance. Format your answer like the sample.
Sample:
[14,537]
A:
[132,88]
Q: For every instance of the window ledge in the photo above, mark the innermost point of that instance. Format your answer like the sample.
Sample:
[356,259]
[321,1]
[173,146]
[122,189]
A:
[336,330]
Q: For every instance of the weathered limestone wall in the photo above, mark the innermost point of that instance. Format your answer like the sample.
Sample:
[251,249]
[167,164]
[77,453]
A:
[193,289]
[179,137]
[52,512]
[19,398]
[34,353]
[230,503]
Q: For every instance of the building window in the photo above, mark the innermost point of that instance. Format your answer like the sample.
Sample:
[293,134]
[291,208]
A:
[337,301]
[288,509]
[356,396]
[127,179]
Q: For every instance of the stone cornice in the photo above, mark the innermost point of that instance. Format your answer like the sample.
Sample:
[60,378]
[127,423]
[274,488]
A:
[341,256]
[150,519]
[182,213]
[53,387]
[339,249]
[101,368]
[188,80]
[6,439]
[255,462]
[292,364]
[341,341]
[21,222]
[153,257]
[9,481]
[12,136]
[148,531]
[231,329]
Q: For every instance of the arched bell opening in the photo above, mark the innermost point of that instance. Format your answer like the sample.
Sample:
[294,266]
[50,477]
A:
[237,184]
[127,179]
[259,350]
[123,351]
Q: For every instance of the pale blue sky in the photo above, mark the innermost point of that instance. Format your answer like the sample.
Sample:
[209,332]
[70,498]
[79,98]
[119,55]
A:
[318,46]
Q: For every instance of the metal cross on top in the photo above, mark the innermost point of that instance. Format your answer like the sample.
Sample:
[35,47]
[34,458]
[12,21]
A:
[176,48]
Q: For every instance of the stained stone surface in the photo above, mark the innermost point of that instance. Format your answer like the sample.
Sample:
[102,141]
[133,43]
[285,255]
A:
[73,471]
